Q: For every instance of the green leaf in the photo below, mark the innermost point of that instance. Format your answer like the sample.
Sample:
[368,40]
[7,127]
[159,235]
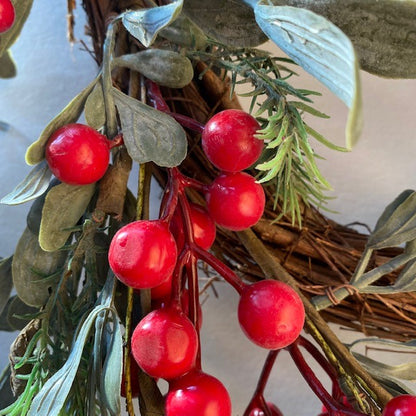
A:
[94,108]
[51,399]
[19,314]
[397,224]
[184,32]
[322,49]
[64,206]
[6,394]
[382,31]
[22,10]
[33,186]
[32,268]
[7,65]
[150,135]
[145,24]
[165,68]
[228,21]
[70,114]
[6,281]
[111,377]
[324,141]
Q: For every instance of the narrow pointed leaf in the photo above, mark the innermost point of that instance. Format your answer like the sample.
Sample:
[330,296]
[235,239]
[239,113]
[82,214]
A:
[397,224]
[145,24]
[150,135]
[94,108]
[64,205]
[7,65]
[322,49]
[70,114]
[33,186]
[22,10]
[228,21]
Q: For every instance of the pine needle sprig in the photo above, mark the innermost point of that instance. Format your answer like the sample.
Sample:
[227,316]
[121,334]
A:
[288,164]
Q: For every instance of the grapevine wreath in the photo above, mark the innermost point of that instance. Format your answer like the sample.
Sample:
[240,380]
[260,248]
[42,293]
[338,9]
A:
[107,300]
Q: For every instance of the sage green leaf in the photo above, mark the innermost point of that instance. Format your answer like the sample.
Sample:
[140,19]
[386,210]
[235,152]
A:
[184,32]
[4,322]
[7,65]
[397,224]
[34,270]
[94,108]
[383,31]
[6,394]
[6,281]
[34,185]
[70,114]
[64,206]
[112,370]
[22,10]
[51,398]
[165,68]
[145,24]
[320,48]
[228,21]
[150,135]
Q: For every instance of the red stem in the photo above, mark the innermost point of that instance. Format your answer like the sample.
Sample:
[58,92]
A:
[221,268]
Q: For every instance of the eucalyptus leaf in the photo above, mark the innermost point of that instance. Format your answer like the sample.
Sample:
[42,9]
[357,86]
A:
[94,108]
[6,394]
[397,224]
[145,24]
[322,49]
[34,185]
[64,206]
[19,314]
[111,377]
[6,281]
[184,32]
[165,68]
[51,398]
[22,10]
[7,65]
[228,21]
[70,114]
[383,31]
[32,269]
[150,135]
[4,322]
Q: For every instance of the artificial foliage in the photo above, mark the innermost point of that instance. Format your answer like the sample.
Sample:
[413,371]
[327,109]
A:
[107,301]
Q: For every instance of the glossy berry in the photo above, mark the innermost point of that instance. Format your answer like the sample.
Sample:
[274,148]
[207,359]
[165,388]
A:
[197,393]
[274,411]
[404,405]
[228,140]
[7,15]
[77,154]
[162,302]
[235,201]
[271,314]
[165,343]
[163,290]
[203,226]
[143,254]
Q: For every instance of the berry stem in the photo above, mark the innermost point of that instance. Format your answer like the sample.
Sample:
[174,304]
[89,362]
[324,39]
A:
[156,99]
[221,268]
[334,408]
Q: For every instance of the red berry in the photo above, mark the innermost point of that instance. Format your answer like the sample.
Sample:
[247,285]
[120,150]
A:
[163,290]
[203,227]
[165,343]
[404,405]
[235,201]
[7,15]
[274,411]
[228,140]
[271,314]
[143,254]
[77,154]
[197,393]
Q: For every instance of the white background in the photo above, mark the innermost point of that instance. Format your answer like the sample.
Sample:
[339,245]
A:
[51,72]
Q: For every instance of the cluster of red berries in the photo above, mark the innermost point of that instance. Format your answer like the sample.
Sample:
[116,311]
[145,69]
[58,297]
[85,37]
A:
[7,15]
